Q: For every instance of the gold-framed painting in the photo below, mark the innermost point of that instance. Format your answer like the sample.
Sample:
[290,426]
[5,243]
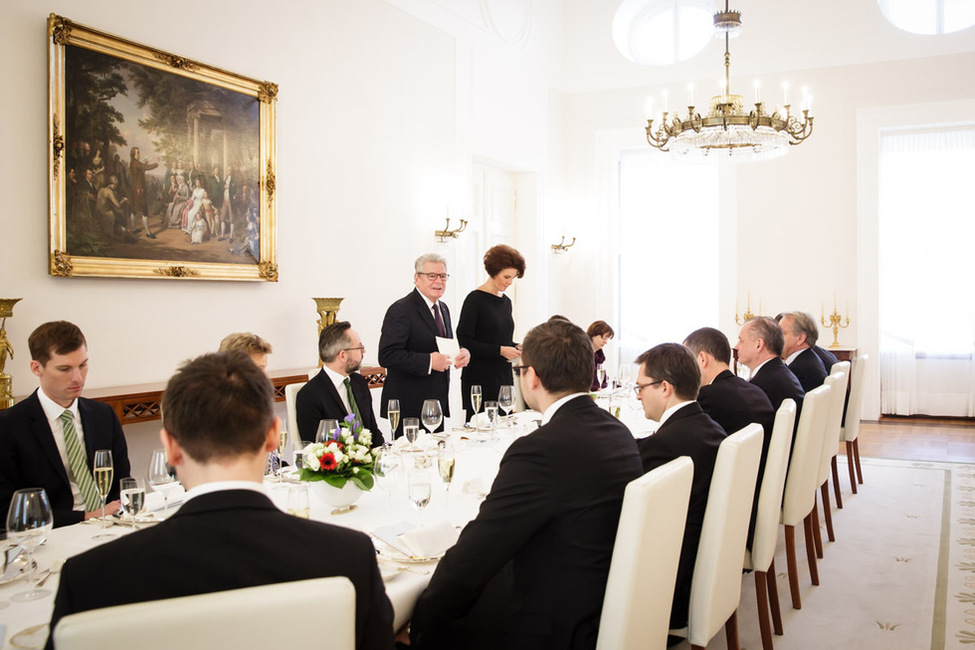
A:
[160,166]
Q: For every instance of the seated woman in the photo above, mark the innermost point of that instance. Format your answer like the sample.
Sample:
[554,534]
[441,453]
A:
[600,332]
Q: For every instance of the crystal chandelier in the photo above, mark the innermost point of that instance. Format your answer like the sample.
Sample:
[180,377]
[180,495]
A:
[727,131]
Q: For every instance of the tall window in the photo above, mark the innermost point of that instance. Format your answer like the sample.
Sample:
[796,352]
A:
[927,271]
[668,246]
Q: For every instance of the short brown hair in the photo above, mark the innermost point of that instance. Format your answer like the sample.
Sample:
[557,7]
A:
[804,323]
[219,405]
[710,341]
[245,342]
[55,337]
[673,363]
[599,328]
[561,355]
[501,257]
[332,339]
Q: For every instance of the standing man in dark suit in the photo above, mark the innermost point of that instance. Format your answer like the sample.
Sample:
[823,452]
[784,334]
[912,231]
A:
[530,571]
[337,390]
[667,386]
[49,439]
[799,334]
[759,346]
[415,368]
[218,427]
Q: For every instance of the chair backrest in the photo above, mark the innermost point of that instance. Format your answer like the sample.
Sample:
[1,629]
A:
[243,619]
[851,425]
[800,482]
[640,588]
[716,585]
[290,394]
[773,485]
[834,418]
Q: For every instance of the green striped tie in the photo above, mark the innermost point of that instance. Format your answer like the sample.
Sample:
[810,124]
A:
[352,404]
[79,466]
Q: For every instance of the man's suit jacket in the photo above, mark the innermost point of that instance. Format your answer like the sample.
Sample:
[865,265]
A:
[29,456]
[405,343]
[809,370]
[779,383]
[228,540]
[552,514]
[827,357]
[687,432]
[319,400]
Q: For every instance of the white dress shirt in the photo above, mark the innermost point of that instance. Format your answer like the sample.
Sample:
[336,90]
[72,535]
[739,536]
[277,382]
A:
[53,411]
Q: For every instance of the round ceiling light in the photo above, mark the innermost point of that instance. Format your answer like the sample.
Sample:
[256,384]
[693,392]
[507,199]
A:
[662,32]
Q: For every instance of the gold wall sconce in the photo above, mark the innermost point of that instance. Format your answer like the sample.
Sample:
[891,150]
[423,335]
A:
[562,247]
[446,233]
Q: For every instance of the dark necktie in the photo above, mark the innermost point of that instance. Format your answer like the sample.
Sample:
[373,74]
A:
[352,404]
[437,317]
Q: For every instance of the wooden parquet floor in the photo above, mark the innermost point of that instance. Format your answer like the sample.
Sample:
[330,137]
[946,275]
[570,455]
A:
[951,440]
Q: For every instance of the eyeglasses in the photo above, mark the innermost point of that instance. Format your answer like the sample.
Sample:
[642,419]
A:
[433,276]
[519,369]
[639,387]
[361,348]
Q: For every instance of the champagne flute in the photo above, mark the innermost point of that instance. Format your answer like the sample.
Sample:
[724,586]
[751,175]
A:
[29,521]
[161,475]
[506,400]
[445,465]
[279,455]
[133,493]
[392,412]
[326,428]
[475,402]
[601,376]
[419,488]
[411,428]
[431,414]
[103,472]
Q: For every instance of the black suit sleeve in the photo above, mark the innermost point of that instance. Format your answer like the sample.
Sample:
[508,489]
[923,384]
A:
[308,413]
[395,350]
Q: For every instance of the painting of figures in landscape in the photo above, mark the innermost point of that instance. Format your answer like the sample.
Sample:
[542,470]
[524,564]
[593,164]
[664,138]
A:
[157,165]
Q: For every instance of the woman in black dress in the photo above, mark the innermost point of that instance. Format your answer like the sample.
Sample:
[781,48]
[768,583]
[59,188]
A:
[600,332]
[486,327]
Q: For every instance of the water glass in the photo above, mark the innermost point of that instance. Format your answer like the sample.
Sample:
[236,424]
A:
[298,501]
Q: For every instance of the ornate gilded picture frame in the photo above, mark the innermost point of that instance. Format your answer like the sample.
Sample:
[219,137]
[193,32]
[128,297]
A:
[160,167]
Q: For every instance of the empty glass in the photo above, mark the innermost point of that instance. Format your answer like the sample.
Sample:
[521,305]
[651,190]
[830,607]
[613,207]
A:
[326,429]
[431,414]
[29,521]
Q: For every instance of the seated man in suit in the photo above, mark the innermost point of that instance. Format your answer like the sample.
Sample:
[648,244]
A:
[49,439]
[250,344]
[218,427]
[337,390]
[827,357]
[759,346]
[799,333]
[731,401]
[416,370]
[667,386]
[530,571]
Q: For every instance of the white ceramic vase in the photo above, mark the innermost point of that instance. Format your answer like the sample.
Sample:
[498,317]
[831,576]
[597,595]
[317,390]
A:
[340,499]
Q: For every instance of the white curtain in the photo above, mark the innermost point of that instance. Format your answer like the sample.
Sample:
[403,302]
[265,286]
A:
[927,271]
[668,262]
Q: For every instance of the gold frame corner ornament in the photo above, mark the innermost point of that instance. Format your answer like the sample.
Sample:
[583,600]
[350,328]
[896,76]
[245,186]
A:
[61,265]
[268,271]
[267,92]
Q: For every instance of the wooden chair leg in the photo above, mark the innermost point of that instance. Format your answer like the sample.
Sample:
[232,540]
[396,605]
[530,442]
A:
[761,598]
[810,551]
[817,533]
[773,599]
[731,631]
[790,554]
[856,454]
[836,485]
[824,489]
[850,463]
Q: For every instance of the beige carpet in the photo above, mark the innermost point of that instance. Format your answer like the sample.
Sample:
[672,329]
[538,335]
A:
[900,575]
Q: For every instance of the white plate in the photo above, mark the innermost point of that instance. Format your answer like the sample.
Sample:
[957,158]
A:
[394,556]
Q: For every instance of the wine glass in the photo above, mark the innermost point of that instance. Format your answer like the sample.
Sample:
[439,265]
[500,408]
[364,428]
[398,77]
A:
[298,455]
[475,402]
[325,430]
[506,400]
[623,374]
[419,488]
[392,412]
[29,521]
[103,471]
[385,467]
[491,409]
[133,493]
[614,405]
[411,428]
[162,475]
[431,414]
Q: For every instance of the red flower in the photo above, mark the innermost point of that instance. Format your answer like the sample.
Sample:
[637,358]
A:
[328,461]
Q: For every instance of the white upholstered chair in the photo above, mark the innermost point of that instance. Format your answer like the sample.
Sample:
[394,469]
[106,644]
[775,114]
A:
[640,589]
[851,424]
[845,367]
[761,558]
[244,619]
[290,395]
[836,380]
[716,585]
[799,501]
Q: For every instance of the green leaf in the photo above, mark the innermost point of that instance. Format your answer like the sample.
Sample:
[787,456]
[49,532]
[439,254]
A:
[335,481]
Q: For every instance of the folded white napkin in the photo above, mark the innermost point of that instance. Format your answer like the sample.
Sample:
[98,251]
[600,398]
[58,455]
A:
[476,486]
[391,535]
[430,541]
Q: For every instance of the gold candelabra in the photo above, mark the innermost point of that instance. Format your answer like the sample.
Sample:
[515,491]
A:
[446,233]
[748,315]
[835,321]
[6,382]
[328,309]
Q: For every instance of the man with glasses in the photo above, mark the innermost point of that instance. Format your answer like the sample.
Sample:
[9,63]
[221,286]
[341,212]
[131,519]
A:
[416,370]
[337,390]
[667,386]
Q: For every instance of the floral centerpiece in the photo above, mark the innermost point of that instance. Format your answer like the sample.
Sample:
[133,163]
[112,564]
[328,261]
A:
[345,456]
